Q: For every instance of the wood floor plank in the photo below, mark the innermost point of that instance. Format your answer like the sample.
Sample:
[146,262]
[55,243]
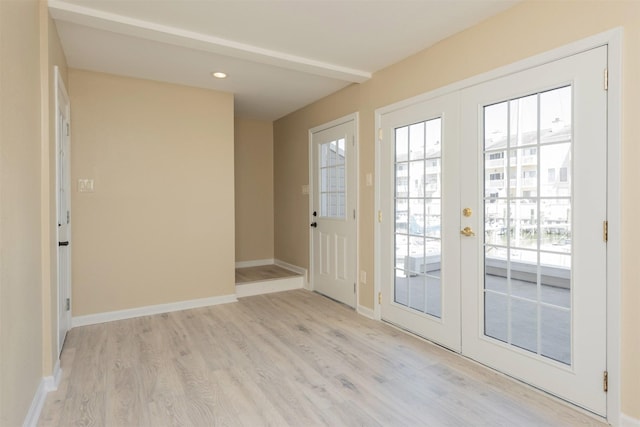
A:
[261,273]
[285,359]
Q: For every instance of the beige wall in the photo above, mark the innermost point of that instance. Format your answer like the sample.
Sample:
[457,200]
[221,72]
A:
[525,30]
[254,189]
[21,322]
[159,226]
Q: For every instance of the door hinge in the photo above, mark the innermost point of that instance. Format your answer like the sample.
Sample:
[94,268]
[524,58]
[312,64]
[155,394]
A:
[68,217]
[353,141]
[68,304]
[605,231]
[354,214]
[354,287]
[605,381]
[67,129]
[379,216]
[379,297]
[380,134]
[606,79]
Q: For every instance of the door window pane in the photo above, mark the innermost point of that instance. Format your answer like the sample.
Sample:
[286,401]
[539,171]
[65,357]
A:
[555,334]
[332,179]
[527,229]
[523,120]
[418,178]
[496,126]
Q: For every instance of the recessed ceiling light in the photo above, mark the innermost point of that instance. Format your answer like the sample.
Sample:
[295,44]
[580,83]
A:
[219,75]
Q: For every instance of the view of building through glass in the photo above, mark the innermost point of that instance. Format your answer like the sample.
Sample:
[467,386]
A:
[527,211]
[418,187]
[527,221]
[332,179]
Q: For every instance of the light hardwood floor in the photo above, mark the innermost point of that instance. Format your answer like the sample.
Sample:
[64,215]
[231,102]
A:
[286,359]
[262,272]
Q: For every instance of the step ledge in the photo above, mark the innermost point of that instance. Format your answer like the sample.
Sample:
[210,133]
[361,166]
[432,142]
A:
[248,289]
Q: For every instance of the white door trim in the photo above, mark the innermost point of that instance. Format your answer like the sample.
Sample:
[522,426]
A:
[61,101]
[354,117]
[613,39]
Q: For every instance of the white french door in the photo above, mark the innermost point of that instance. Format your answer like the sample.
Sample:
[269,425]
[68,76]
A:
[419,191]
[333,206]
[518,268]
[534,276]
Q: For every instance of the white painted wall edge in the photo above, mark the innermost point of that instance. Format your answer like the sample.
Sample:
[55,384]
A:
[269,286]
[46,385]
[295,269]
[92,319]
[255,263]
[366,312]
[627,421]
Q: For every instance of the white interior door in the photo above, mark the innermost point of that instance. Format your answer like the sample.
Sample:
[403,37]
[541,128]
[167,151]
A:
[420,197]
[534,275]
[63,214]
[333,219]
[493,200]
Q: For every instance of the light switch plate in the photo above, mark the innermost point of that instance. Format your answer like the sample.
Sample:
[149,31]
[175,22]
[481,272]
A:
[305,189]
[85,185]
[369,179]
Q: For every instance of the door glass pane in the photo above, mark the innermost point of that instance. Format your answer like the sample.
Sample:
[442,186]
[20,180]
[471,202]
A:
[555,162]
[418,216]
[496,311]
[527,228]
[332,179]
[523,121]
[496,126]
[416,141]
[555,333]
[524,324]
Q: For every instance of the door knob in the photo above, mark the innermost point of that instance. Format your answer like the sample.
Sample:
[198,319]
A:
[63,243]
[467,231]
[314,224]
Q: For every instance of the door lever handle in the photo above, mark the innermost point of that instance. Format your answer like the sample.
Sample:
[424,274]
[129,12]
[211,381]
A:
[63,243]
[467,231]
[314,224]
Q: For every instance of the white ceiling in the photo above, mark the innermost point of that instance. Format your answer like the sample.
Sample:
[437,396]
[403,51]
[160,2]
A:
[279,55]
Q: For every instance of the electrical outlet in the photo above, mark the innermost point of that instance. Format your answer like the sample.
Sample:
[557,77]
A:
[363,277]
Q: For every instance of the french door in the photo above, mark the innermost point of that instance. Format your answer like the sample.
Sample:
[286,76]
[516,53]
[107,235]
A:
[420,245]
[522,206]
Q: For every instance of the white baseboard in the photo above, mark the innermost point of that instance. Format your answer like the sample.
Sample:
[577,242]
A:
[254,263]
[366,312]
[627,421]
[52,382]
[92,319]
[46,385]
[37,403]
[295,269]
[269,286]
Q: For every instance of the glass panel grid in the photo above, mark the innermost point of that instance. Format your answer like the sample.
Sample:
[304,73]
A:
[527,231]
[417,194]
[332,179]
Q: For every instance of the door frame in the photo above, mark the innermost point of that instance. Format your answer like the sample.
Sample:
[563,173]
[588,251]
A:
[613,40]
[354,117]
[61,101]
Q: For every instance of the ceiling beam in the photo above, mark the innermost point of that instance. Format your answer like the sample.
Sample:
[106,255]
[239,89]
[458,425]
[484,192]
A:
[69,12]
